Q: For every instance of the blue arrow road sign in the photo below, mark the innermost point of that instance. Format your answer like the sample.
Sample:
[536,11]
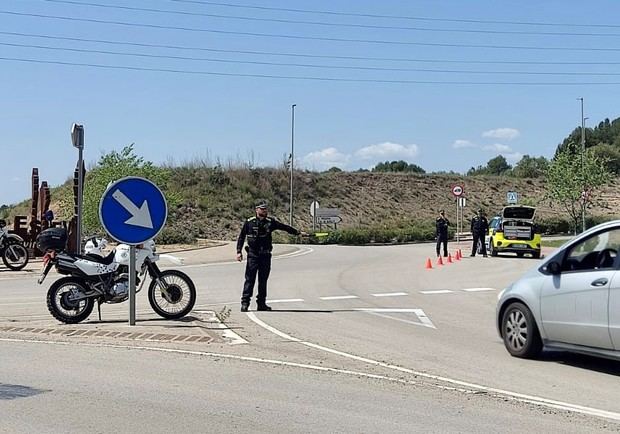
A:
[133,210]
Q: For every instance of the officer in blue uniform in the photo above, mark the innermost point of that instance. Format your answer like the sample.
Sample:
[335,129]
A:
[479,230]
[441,232]
[258,231]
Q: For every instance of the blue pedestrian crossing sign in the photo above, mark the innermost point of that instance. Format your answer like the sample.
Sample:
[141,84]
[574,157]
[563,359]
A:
[512,197]
[133,210]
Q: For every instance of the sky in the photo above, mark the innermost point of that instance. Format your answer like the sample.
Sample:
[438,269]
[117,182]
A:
[444,84]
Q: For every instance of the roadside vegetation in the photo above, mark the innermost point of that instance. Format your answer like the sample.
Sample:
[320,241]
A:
[393,202]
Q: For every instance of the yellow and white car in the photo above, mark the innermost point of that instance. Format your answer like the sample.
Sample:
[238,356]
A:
[514,231]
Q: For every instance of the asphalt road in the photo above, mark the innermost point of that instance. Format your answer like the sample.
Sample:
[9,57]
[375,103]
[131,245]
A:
[361,339]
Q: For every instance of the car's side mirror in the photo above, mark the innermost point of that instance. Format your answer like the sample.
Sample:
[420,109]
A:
[554,268]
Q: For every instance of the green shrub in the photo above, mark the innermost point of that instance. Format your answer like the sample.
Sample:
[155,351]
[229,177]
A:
[175,234]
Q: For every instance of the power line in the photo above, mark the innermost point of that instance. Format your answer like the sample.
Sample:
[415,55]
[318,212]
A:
[302,65]
[288,54]
[298,37]
[411,18]
[289,77]
[328,24]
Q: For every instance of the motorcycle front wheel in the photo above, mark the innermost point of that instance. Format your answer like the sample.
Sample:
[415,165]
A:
[62,304]
[172,295]
[15,256]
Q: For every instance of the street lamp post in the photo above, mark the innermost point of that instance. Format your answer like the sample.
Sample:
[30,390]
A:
[583,154]
[290,216]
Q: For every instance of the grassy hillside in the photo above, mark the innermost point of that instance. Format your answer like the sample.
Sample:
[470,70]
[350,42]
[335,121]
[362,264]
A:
[211,202]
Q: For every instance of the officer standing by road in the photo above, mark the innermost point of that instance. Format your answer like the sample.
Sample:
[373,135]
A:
[258,231]
[441,232]
[479,229]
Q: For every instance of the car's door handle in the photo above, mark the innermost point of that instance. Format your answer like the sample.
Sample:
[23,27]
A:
[600,282]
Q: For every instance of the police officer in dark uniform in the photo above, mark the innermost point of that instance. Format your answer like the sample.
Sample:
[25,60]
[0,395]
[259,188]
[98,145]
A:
[479,229]
[258,231]
[441,226]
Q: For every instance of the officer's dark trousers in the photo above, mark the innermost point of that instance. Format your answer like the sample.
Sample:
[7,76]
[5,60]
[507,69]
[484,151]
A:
[483,248]
[443,240]
[257,264]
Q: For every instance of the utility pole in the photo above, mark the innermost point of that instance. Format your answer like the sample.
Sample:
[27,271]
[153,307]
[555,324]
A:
[290,216]
[583,155]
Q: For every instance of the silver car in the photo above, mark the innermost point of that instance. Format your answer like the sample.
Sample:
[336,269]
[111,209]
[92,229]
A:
[570,302]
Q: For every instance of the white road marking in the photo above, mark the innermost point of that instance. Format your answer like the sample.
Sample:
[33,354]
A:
[232,337]
[478,289]
[519,397]
[439,291]
[424,320]
[300,252]
[390,294]
[290,300]
[339,297]
[234,357]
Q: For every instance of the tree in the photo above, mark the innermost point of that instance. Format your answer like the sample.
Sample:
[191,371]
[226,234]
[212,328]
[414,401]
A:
[572,180]
[495,166]
[609,153]
[530,167]
[398,166]
[498,165]
[112,167]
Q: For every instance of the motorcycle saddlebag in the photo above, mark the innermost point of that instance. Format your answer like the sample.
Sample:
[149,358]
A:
[52,239]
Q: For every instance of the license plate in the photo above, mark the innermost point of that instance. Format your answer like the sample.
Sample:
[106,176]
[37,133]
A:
[520,246]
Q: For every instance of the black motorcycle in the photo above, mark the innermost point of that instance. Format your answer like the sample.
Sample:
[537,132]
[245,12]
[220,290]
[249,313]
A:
[14,254]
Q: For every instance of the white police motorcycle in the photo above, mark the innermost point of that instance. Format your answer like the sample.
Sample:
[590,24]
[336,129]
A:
[105,279]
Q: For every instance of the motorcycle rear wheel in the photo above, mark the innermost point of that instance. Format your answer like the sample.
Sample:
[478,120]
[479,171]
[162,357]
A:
[15,256]
[180,298]
[64,309]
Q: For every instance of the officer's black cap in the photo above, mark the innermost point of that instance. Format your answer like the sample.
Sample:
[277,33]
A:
[262,203]
[441,211]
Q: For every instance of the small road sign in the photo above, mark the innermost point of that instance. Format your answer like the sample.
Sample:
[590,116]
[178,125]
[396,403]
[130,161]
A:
[329,220]
[512,197]
[133,210]
[457,190]
[327,212]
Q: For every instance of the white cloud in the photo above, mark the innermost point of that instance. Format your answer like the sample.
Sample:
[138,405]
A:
[502,133]
[463,144]
[497,147]
[387,150]
[326,158]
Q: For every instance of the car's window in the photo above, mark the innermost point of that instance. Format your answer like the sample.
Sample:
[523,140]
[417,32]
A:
[494,223]
[596,252]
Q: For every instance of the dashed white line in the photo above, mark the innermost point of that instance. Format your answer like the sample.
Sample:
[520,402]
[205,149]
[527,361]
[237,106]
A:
[339,297]
[289,300]
[478,289]
[390,294]
[439,291]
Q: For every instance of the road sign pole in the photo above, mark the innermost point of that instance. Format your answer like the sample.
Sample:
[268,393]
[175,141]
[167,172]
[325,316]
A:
[457,220]
[132,285]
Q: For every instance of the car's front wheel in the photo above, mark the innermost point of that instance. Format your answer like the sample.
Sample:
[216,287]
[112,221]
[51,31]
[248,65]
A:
[520,332]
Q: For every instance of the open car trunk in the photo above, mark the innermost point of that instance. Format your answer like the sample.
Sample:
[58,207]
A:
[518,222]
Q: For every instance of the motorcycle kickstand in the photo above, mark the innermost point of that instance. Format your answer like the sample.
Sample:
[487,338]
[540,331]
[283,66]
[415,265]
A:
[99,309]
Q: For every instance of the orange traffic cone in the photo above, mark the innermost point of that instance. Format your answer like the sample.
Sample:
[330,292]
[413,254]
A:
[460,254]
[449,258]
[429,265]
[457,256]
[439,260]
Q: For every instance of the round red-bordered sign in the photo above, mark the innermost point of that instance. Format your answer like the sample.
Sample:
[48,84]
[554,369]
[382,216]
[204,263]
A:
[457,190]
